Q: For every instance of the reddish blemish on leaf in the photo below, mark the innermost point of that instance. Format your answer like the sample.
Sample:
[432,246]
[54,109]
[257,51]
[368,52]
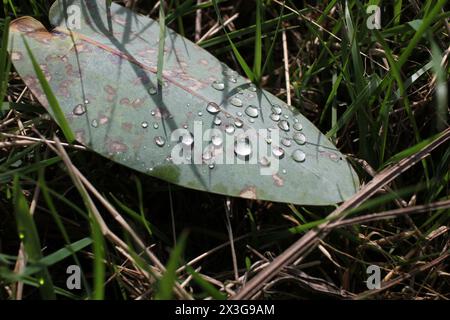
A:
[111,91]
[277,180]
[116,147]
[80,136]
[137,103]
[127,126]
[125,101]
[249,192]
[103,120]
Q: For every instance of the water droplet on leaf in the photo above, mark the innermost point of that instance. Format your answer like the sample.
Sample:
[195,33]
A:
[160,141]
[79,110]
[298,155]
[300,138]
[236,102]
[252,111]
[218,85]
[213,108]
[283,125]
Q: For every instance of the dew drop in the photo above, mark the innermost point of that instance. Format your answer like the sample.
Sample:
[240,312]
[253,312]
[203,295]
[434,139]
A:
[251,120]
[264,161]
[252,88]
[283,125]
[155,126]
[286,116]
[144,124]
[300,138]
[298,155]
[236,102]
[239,114]
[94,123]
[283,171]
[238,123]
[287,142]
[252,111]
[152,90]
[229,129]
[276,109]
[242,148]
[217,141]
[218,85]
[86,101]
[200,113]
[153,113]
[217,121]
[79,110]
[187,139]
[160,141]
[232,79]
[278,152]
[211,165]
[213,108]
[298,126]
[275,117]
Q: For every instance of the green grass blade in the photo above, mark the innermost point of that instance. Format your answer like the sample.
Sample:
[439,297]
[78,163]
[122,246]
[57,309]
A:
[52,101]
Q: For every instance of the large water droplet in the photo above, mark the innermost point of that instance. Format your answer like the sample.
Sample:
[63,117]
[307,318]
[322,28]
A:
[252,111]
[160,141]
[236,102]
[264,161]
[298,155]
[283,125]
[229,129]
[217,141]
[213,108]
[297,126]
[238,123]
[287,142]
[79,110]
[217,121]
[218,85]
[242,148]
[144,124]
[187,139]
[152,90]
[276,109]
[278,152]
[275,117]
[252,88]
[300,138]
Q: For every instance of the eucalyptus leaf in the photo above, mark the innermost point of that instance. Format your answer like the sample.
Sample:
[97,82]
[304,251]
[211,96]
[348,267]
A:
[101,62]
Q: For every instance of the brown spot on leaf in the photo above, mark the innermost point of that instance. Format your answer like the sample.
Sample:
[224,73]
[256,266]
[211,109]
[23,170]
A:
[248,192]
[80,136]
[279,182]
[116,146]
[111,92]
[127,126]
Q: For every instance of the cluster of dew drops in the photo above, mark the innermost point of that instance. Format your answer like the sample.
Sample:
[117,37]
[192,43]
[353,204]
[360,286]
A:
[242,147]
